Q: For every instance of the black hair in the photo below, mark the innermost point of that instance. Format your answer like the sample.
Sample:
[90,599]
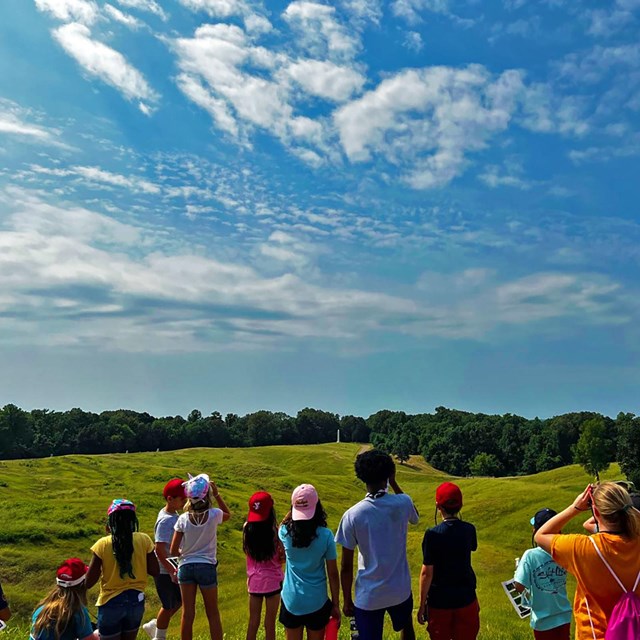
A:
[303,532]
[374,466]
[122,524]
[259,538]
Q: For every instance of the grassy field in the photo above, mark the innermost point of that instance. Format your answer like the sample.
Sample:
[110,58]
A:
[55,508]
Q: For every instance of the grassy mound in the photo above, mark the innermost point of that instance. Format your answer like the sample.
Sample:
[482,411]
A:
[55,508]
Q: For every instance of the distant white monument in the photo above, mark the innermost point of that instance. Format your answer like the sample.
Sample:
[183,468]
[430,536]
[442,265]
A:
[338,439]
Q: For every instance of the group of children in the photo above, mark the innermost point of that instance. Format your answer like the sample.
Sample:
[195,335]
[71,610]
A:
[307,593]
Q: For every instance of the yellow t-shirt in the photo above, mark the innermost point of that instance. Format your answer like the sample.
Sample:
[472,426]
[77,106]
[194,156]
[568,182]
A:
[111,584]
[576,554]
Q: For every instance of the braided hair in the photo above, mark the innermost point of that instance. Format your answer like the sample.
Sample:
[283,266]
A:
[122,524]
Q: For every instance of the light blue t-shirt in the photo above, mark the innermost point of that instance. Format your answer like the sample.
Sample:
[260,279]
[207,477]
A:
[546,583]
[163,533]
[378,527]
[78,627]
[305,578]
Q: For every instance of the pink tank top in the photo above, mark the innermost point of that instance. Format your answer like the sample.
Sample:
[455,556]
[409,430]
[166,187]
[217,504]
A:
[264,577]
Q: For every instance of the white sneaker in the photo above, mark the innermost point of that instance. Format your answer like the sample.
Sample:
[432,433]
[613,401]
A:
[150,628]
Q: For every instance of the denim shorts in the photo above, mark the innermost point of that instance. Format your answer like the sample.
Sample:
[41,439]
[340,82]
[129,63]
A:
[203,574]
[122,614]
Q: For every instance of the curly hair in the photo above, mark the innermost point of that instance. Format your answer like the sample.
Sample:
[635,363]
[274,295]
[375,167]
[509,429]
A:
[303,532]
[374,466]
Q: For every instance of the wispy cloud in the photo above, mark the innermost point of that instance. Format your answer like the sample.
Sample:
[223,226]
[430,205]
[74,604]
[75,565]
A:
[105,63]
[85,11]
[121,17]
[144,5]
[14,121]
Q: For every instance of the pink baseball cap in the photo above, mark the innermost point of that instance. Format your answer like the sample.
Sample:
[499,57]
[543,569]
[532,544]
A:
[303,502]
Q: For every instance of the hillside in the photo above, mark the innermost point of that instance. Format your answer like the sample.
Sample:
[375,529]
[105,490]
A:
[55,507]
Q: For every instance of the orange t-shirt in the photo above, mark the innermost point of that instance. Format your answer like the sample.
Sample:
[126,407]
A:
[576,554]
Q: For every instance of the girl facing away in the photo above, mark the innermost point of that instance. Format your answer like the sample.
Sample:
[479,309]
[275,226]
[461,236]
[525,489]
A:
[545,583]
[63,614]
[265,555]
[615,548]
[195,542]
[121,561]
[311,556]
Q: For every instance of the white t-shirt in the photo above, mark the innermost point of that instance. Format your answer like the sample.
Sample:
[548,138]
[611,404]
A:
[199,542]
[378,527]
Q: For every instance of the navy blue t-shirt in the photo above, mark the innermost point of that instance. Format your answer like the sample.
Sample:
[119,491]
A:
[448,548]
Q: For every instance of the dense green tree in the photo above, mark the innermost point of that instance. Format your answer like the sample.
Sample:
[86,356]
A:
[485,464]
[593,449]
[628,428]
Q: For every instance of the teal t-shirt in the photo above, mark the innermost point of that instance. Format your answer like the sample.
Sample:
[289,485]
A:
[546,583]
[79,627]
[305,580]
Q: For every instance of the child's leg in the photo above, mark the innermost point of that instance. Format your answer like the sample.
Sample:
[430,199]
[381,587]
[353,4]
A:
[255,612]
[294,634]
[271,613]
[188,592]
[210,599]
[313,634]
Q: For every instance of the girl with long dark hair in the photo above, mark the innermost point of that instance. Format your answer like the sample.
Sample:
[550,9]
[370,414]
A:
[265,556]
[121,560]
[311,557]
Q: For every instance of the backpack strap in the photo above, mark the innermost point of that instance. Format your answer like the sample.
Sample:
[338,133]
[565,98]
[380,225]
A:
[593,631]
[611,571]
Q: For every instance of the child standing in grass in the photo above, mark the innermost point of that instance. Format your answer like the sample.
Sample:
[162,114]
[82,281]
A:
[546,586]
[5,611]
[265,556]
[121,561]
[311,557]
[63,614]
[195,541]
[167,582]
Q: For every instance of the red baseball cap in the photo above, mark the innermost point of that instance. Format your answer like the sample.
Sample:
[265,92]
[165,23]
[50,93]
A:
[260,505]
[71,572]
[174,489]
[449,497]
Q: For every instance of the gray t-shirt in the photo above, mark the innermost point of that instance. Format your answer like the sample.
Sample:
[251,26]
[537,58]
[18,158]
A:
[378,527]
[163,531]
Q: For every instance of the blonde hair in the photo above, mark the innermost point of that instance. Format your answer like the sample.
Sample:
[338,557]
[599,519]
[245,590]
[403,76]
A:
[58,609]
[200,504]
[614,505]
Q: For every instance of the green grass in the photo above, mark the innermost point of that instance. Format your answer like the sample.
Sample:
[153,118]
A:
[55,507]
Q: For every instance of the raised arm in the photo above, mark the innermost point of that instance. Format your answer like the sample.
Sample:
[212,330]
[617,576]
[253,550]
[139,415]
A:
[546,533]
[226,514]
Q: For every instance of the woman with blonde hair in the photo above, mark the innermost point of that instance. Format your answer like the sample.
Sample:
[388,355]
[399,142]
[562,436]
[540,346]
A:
[613,549]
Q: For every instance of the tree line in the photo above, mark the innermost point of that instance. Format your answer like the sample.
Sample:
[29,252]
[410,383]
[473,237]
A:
[458,442]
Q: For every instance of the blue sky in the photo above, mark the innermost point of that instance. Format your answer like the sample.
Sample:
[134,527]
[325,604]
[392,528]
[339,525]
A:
[355,205]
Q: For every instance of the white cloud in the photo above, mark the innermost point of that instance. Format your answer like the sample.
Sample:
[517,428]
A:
[326,79]
[363,10]
[85,11]
[426,120]
[14,122]
[592,66]
[122,18]
[105,63]
[218,8]
[321,34]
[493,177]
[413,41]
[144,5]
[97,175]
[410,9]
[243,86]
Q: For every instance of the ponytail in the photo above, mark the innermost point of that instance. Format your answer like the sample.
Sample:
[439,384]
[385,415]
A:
[616,507]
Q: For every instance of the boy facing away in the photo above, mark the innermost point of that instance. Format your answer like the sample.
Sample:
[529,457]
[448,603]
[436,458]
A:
[167,582]
[377,526]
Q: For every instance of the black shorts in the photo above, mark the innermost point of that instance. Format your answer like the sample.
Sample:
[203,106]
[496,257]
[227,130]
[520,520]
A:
[267,595]
[168,591]
[314,621]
